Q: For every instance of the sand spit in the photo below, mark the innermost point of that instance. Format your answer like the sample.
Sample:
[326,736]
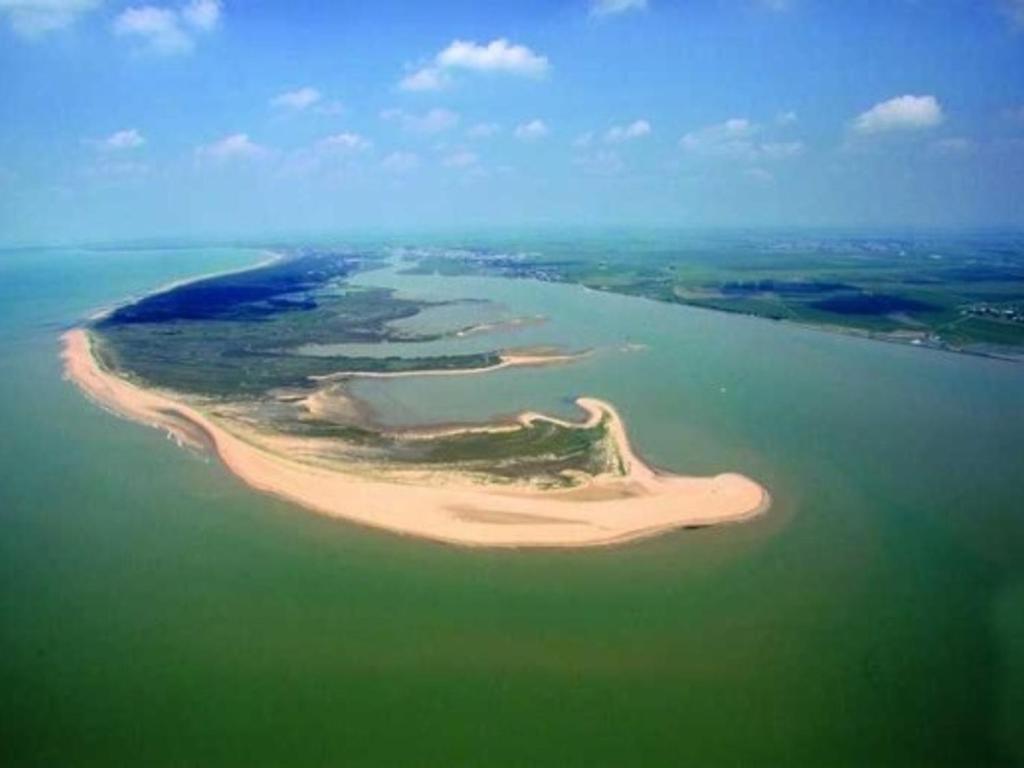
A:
[514,324]
[508,359]
[605,510]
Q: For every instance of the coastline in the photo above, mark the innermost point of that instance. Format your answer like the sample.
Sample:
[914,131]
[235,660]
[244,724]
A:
[605,510]
[269,257]
[851,332]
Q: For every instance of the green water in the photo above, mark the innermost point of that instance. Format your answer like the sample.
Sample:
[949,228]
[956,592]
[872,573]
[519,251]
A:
[157,612]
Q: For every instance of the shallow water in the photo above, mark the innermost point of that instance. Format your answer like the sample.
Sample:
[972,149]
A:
[153,607]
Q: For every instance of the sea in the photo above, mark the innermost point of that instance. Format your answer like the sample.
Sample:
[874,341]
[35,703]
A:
[156,611]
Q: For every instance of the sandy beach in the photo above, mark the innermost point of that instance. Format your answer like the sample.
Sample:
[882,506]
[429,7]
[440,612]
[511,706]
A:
[605,510]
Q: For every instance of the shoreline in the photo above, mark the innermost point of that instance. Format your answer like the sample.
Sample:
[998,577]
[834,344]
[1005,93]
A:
[269,257]
[846,331]
[606,510]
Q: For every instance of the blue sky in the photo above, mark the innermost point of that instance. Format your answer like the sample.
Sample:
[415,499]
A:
[201,117]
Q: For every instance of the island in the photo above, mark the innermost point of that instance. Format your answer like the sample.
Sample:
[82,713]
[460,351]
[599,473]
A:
[224,364]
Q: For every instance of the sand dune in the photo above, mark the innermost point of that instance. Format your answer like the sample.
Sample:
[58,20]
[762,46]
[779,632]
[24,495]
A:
[605,510]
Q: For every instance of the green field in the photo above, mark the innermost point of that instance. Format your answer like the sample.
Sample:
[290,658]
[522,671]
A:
[959,293]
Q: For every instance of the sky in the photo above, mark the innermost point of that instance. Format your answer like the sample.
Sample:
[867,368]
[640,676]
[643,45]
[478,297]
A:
[245,118]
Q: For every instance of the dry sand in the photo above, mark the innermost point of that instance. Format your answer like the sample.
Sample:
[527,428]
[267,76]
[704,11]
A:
[605,510]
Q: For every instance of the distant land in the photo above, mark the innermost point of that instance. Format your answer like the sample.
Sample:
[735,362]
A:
[960,293]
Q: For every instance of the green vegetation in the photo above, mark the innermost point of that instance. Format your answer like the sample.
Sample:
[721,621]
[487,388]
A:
[956,293]
[240,334]
[542,450]
[239,338]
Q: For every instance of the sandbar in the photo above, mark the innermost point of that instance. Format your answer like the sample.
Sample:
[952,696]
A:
[606,509]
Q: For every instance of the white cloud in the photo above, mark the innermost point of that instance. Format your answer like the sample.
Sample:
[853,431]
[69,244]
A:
[158,27]
[400,162]
[236,145]
[166,30]
[34,18]
[483,130]
[345,142]
[432,121]
[786,118]
[902,113]
[499,55]
[534,129]
[426,79]
[126,139]
[614,7]
[635,130]
[299,99]
[461,159]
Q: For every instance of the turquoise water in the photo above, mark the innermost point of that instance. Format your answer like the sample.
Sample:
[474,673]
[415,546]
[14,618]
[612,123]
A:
[157,612]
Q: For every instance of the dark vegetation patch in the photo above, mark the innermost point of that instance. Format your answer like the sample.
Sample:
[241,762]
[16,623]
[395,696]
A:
[783,287]
[244,296]
[983,274]
[855,282]
[238,334]
[871,304]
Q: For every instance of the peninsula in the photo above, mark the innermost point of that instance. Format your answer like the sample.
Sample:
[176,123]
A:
[214,363]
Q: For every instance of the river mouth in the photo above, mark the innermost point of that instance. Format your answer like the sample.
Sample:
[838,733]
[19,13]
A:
[147,586]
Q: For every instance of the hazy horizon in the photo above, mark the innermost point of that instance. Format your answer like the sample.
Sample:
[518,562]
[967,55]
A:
[386,235]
